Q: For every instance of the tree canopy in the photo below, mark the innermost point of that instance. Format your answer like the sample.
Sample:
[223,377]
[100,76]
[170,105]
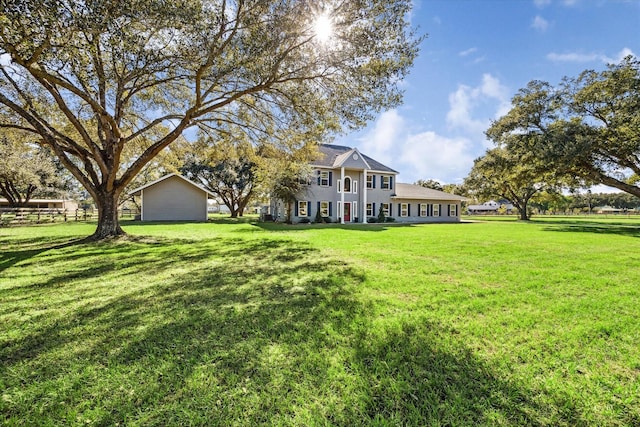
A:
[91,79]
[587,128]
[227,168]
[26,170]
[501,173]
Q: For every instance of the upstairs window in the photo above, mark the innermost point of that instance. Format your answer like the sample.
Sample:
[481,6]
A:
[324,178]
[347,185]
[387,182]
[370,181]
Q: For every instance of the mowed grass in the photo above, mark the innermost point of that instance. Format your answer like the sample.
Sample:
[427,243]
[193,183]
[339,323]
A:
[236,323]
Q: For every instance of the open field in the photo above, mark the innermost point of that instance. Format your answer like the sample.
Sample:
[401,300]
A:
[234,323]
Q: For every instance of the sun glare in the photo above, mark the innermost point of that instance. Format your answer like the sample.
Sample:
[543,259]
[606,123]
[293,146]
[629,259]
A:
[323,28]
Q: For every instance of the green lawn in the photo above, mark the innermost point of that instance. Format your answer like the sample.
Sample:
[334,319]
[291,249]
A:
[237,323]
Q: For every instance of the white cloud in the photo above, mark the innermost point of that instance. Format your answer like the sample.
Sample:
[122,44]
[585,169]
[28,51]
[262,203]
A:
[590,57]
[424,154]
[465,99]
[620,56]
[541,3]
[382,140]
[468,51]
[540,24]
[428,155]
[572,57]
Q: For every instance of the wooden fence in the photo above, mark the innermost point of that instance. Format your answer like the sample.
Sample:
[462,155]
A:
[17,216]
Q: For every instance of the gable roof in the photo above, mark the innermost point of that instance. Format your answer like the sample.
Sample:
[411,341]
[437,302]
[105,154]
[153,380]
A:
[334,156]
[412,191]
[139,189]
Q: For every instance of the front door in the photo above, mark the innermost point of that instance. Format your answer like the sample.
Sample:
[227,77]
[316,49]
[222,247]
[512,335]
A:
[347,212]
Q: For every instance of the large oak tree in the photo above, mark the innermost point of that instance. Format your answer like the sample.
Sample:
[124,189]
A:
[501,173]
[90,78]
[586,128]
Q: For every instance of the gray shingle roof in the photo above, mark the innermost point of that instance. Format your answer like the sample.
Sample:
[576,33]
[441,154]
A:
[330,154]
[412,191]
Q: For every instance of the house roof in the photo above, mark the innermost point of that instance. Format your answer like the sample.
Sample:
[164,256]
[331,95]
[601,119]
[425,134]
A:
[333,156]
[138,190]
[412,191]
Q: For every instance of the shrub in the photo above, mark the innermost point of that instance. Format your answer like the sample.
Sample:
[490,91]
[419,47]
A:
[304,221]
[389,219]
[381,216]
[372,220]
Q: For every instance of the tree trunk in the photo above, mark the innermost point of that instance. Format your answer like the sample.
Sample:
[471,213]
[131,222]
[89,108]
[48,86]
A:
[108,224]
[523,212]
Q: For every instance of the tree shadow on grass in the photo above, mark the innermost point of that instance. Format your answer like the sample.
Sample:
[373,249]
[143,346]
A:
[621,229]
[242,332]
[9,258]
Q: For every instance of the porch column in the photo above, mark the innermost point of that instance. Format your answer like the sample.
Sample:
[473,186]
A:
[364,197]
[342,195]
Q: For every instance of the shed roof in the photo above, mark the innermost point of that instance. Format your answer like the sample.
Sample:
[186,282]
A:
[412,191]
[138,190]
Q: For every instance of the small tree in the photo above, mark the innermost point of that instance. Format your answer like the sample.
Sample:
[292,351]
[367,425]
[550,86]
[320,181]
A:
[381,216]
[227,168]
[25,170]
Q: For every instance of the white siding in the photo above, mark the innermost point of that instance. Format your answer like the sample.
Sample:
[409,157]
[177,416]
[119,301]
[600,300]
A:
[174,199]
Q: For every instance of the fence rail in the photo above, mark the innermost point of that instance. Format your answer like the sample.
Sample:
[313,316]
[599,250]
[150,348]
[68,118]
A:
[18,216]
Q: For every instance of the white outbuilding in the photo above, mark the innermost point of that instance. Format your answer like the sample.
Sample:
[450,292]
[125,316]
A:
[172,198]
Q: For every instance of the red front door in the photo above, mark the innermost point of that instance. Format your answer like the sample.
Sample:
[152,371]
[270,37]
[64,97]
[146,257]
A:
[347,212]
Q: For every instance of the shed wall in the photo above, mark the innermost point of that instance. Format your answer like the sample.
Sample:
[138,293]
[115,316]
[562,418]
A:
[174,200]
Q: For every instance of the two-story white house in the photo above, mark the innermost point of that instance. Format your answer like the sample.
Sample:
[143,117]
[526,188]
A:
[351,187]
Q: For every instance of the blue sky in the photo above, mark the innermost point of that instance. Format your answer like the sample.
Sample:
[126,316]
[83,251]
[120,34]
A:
[477,55]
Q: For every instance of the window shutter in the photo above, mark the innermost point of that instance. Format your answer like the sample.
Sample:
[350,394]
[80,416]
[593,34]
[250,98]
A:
[318,176]
[408,209]
[309,208]
[330,209]
[373,210]
[399,208]
[330,178]
[296,212]
[391,183]
[374,181]
[440,210]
